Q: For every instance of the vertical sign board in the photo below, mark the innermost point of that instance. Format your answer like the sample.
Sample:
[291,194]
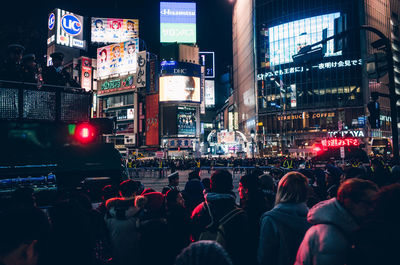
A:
[342,154]
[207,59]
[152,131]
[209,97]
[177,22]
[141,69]
[202,88]
[86,73]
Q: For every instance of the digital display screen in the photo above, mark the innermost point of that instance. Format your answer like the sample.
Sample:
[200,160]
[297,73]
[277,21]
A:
[186,121]
[180,88]
[114,30]
[207,59]
[287,39]
[210,93]
[177,22]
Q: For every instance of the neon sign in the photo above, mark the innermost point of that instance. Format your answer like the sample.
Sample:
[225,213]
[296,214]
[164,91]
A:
[337,142]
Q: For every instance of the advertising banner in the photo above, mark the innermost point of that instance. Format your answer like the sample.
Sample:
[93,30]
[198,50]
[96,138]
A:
[178,22]
[114,30]
[287,39]
[66,29]
[180,88]
[152,125]
[186,121]
[116,85]
[86,73]
[118,58]
[210,93]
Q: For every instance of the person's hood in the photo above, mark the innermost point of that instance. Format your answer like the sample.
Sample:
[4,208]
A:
[120,203]
[293,215]
[331,212]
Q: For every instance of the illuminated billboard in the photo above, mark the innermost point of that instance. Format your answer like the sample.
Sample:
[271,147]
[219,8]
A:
[287,39]
[210,93]
[186,121]
[152,126]
[177,22]
[207,59]
[179,88]
[114,30]
[66,29]
[120,58]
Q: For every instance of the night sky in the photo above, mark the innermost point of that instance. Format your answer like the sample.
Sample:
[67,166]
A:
[25,22]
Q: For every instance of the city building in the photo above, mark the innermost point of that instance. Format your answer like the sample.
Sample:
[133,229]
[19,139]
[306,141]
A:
[292,106]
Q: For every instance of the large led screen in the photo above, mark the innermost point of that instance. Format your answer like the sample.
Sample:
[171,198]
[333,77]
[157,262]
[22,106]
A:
[118,58]
[210,93]
[186,121]
[179,88]
[177,22]
[287,39]
[114,30]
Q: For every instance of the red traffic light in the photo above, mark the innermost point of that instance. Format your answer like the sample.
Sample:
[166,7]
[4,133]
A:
[85,133]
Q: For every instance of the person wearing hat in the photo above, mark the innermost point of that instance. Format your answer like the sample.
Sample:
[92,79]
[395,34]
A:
[193,192]
[57,75]
[173,183]
[30,70]
[10,70]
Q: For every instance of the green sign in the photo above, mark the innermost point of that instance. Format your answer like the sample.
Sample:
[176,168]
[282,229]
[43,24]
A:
[117,84]
[178,32]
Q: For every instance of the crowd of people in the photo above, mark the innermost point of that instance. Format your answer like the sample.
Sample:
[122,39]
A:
[306,216]
[22,67]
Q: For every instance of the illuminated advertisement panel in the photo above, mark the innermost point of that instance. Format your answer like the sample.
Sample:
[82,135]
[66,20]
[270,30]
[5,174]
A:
[114,30]
[210,93]
[120,58]
[66,29]
[186,121]
[179,88]
[86,73]
[152,133]
[177,22]
[207,59]
[287,39]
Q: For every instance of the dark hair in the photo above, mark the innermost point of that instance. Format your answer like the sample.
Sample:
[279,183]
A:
[387,200]
[354,172]
[171,197]
[221,181]
[19,227]
[129,187]
[203,252]
[250,182]
[98,20]
[108,192]
[354,190]
[206,183]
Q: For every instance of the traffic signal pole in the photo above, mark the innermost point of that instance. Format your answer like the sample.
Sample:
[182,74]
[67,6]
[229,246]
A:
[392,91]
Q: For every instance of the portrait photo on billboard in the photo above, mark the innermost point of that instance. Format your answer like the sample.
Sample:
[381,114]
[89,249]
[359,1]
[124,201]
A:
[186,121]
[113,30]
[286,40]
[120,58]
[179,88]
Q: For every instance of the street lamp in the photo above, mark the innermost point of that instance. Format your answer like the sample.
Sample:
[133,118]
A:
[252,134]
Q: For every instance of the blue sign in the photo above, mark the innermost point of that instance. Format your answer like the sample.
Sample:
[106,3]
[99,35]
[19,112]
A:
[181,68]
[71,24]
[361,121]
[52,20]
[177,12]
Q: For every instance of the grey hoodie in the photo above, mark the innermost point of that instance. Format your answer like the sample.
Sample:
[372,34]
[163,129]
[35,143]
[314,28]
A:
[328,241]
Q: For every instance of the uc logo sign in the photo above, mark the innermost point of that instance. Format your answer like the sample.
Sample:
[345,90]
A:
[71,24]
[51,21]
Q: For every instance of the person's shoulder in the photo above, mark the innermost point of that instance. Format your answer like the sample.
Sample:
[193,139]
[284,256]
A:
[197,211]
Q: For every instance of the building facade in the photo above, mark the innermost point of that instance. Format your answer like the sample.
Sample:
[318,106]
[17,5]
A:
[299,105]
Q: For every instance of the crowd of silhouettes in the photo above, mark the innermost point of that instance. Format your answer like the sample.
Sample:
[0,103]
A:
[307,216]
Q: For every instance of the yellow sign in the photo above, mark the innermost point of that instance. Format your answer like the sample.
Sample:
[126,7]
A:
[306,115]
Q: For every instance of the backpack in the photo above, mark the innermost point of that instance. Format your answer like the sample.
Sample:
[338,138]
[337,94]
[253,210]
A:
[217,229]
